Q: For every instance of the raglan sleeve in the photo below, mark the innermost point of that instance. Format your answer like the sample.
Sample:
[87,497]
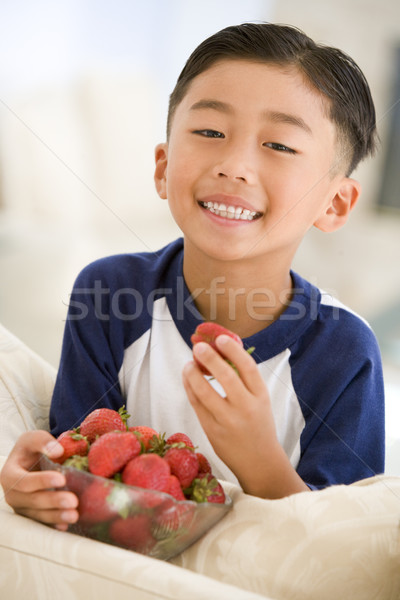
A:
[344,437]
[91,355]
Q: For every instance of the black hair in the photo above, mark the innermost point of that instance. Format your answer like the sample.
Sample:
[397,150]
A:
[332,72]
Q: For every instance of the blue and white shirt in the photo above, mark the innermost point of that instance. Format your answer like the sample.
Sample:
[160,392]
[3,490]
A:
[127,338]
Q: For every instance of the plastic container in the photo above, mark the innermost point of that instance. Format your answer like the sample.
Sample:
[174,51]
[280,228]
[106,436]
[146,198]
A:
[145,521]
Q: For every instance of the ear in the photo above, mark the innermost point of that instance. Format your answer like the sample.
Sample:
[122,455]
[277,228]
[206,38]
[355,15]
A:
[338,211]
[160,173]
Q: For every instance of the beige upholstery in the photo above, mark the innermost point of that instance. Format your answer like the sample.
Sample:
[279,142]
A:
[41,563]
[343,542]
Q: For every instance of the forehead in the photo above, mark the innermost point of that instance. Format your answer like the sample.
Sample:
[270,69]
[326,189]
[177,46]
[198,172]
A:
[251,86]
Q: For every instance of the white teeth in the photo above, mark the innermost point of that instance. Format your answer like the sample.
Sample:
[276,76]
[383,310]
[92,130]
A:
[230,212]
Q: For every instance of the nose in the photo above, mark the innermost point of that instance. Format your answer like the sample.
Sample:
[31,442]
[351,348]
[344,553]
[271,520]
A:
[236,163]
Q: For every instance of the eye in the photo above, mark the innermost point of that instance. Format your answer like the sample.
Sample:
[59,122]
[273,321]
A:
[279,147]
[211,133]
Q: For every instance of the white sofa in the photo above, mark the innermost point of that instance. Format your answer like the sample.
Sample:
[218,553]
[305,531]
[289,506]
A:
[342,542]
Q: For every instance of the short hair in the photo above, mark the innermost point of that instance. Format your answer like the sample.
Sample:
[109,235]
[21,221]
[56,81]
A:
[332,72]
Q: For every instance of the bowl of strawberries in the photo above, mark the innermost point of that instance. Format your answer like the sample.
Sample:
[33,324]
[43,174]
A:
[137,488]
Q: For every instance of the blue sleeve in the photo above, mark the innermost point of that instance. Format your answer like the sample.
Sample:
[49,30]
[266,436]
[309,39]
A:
[91,358]
[109,309]
[345,442]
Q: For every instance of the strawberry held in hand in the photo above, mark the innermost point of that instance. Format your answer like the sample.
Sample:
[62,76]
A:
[208,332]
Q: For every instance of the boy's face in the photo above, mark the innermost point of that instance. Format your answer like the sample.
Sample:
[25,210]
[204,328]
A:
[253,138]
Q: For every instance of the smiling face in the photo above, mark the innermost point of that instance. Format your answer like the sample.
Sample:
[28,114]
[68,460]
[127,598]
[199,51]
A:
[250,164]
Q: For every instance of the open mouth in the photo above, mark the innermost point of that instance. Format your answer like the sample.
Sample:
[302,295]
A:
[237,213]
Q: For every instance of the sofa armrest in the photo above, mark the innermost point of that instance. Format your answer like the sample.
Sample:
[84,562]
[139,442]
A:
[26,386]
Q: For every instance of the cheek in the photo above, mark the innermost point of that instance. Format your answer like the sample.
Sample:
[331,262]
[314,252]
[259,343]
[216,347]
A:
[176,181]
[179,191]
[182,175]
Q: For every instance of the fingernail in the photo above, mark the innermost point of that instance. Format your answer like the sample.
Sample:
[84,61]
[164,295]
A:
[67,503]
[53,448]
[57,481]
[68,516]
[200,348]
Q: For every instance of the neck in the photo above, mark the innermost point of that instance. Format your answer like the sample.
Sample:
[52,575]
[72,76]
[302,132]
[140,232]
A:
[243,296]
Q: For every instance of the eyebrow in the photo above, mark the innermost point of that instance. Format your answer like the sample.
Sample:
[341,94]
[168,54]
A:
[268,115]
[281,117]
[212,104]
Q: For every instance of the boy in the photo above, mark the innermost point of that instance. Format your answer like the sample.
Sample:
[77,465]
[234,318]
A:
[264,130]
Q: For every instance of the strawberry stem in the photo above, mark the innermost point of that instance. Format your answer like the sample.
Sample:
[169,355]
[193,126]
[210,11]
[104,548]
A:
[123,414]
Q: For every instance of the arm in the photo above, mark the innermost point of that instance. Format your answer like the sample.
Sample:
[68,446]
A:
[241,426]
[91,358]
[346,442]
[87,379]
[29,491]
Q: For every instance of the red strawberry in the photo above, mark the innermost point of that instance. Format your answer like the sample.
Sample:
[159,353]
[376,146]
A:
[110,452]
[144,434]
[147,471]
[133,533]
[148,498]
[180,440]
[73,443]
[206,488]
[204,465]
[183,463]
[208,332]
[169,518]
[95,505]
[103,420]
[174,488]
[218,494]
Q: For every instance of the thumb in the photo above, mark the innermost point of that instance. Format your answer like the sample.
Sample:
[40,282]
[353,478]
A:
[37,442]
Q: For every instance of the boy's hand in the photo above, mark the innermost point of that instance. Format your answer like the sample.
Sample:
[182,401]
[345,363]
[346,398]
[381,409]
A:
[28,490]
[240,426]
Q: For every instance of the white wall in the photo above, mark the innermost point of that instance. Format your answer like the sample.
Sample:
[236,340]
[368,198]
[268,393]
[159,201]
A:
[84,86]
[360,262]
[83,93]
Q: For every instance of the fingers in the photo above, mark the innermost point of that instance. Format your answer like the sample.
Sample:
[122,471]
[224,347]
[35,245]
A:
[244,363]
[199,391]
[31,492]
[31,445]
[14,478]
[50,507]
[20,470]
[44,501]
[249,379]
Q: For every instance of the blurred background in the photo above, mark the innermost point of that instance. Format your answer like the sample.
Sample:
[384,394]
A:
[84,87]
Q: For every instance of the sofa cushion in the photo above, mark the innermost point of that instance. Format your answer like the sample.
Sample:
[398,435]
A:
[341,542]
